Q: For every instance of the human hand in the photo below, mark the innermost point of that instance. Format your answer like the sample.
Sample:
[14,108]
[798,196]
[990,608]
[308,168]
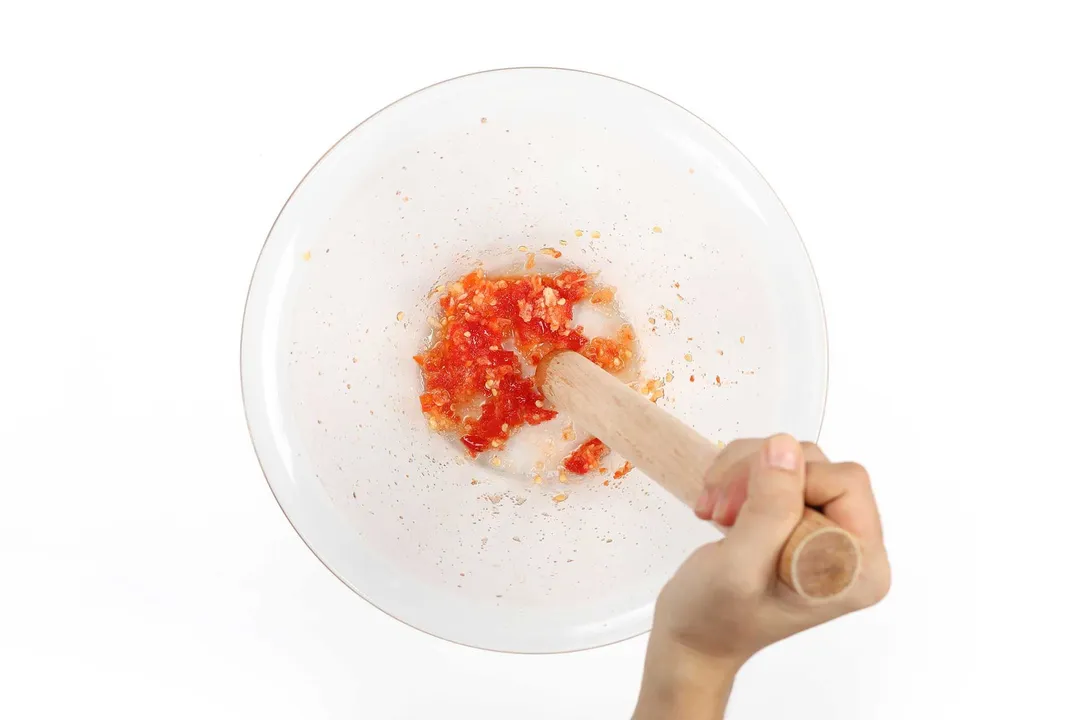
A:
[725,603]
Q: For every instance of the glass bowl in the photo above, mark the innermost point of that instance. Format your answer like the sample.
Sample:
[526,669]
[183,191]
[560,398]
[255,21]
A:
[624,183]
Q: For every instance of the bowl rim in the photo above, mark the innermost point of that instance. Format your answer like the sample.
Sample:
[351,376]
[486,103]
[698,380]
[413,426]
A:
[300,183]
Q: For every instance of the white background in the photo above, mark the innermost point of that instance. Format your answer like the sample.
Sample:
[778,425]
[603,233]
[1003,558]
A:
[927,151]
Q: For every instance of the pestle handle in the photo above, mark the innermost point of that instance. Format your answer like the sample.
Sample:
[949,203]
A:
[819,561]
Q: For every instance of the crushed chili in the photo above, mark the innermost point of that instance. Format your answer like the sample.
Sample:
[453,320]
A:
[486,322]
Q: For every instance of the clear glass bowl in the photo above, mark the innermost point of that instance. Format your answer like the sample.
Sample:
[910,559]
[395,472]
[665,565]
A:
[466,171]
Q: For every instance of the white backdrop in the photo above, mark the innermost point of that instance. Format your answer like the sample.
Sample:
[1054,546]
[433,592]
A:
[927,151]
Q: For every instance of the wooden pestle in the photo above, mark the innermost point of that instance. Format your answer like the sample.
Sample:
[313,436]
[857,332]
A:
[820,560]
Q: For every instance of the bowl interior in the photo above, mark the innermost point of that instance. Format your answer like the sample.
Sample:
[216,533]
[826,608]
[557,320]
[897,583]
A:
[465,172]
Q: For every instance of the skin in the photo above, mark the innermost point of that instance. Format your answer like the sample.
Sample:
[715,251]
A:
[724,604]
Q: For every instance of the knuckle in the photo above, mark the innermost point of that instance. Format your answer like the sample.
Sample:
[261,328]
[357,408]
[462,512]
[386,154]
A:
[789,516]
[879,589]
[782,500]
[875,588]
[856,474]
[782,483]
[771,499]
[783,509]
[741,446]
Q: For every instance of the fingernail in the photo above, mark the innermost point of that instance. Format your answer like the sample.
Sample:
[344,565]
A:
[782,453]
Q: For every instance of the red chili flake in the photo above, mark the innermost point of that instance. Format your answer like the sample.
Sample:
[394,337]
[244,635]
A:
[468,361]
[587,457]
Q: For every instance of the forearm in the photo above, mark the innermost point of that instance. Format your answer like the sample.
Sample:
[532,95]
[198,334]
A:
[681,684]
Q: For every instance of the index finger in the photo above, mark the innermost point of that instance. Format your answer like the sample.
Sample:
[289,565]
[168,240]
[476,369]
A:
[726,483]
[843,492]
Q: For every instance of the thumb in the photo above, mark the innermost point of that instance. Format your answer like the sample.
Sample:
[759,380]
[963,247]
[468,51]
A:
[775,498]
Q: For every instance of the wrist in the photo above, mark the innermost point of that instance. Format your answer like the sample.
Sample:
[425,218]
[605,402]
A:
[681,682]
